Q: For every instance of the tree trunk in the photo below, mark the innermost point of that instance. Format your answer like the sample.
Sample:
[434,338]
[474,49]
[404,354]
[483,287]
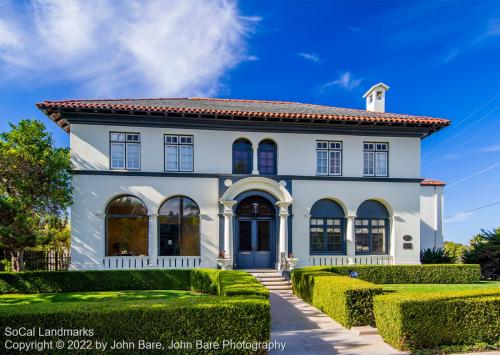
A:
[17,260]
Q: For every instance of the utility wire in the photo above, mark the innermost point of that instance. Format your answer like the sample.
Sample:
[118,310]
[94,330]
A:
[475,209]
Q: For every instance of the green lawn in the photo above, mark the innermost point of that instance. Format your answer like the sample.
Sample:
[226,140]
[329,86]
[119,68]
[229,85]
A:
[483,285]
[151,296]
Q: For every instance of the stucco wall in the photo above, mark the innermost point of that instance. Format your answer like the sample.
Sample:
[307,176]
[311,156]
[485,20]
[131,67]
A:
[401,200]
[92,193]
[431,213]
[213,154]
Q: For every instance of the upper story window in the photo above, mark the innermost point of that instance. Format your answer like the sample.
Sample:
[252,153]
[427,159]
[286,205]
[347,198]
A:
[328,158]
[376,159]
[125,150]
[267,155]
[242,156]
[178,153]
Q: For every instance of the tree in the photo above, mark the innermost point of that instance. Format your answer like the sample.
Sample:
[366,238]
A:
[485,250]
[455,251]
[435,256]
[35,185]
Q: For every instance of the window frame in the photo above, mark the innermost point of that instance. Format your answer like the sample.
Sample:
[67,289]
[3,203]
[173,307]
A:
[370,227]
[329,150]
[249,160]
[325,226]
[126,142]
[178,144]
[275,157]
[373,152]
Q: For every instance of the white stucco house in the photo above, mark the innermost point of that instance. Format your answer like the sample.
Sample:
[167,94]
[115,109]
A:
[173,183]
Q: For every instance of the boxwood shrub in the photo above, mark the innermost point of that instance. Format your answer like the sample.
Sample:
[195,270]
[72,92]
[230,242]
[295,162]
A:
[210,319]
[217,282]
[426,320]
[408,274]
[344,299]
[106,280]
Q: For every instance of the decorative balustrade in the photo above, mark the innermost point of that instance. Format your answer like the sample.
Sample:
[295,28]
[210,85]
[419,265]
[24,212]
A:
[146,262]
[340,260]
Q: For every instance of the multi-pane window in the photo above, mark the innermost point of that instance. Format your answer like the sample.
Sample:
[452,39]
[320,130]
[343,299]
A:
[125,151]
[178,153]
[328,158]
[267,155]
[242,157]
[327,235]
[375,158]
[371,236]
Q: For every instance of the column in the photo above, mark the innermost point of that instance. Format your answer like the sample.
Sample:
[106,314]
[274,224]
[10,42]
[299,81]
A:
[350,234]
[84,259]
[228,227]
[255,170]
[283,227]
[393,248]
[153,240]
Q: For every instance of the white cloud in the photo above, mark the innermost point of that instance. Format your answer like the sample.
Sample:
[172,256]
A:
[123,48]
[345,81]
[490,149]
[313,57]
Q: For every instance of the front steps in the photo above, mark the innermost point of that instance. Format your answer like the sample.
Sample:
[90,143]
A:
[272,280]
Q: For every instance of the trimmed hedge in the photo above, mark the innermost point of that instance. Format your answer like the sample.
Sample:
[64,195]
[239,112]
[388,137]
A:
[217,282]
[346,300]
[426,320]
[409,274]
[106,280]
[240,283]
[210,319]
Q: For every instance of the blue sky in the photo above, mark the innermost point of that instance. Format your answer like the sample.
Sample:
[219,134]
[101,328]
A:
[440,58]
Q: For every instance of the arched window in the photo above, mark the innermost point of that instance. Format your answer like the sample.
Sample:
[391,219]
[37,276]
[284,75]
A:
[372,228]
[179,227]
[327,228]
[242,157]
[126,227]
[267,154]
[255,206]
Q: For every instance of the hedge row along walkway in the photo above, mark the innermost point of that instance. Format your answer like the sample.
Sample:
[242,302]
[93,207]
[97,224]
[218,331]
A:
[307,330]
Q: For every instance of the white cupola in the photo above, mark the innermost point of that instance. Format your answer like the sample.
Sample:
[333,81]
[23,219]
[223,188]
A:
[375,98]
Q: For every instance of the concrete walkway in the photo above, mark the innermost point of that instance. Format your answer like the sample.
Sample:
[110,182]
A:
[306,330]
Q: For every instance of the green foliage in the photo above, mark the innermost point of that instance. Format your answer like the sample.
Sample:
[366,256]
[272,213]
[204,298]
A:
[344,299]
[35,185]
[5,265]
[426,320]
[410,274]
[217,282]
[240,283]
[455,251]
[485,251]
[435,256]
[210,319]
[163,316]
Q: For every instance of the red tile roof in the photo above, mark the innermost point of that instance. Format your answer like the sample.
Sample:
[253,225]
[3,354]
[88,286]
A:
[432,182]
[241,108]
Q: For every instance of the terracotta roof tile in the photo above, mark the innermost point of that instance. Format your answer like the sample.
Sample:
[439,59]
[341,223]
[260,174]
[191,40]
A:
[432,182]
[243,108]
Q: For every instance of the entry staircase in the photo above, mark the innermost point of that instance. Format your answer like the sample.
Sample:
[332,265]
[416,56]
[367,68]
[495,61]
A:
[272,280]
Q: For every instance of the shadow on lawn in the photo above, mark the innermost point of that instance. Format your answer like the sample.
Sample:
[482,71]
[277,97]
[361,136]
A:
[149,295]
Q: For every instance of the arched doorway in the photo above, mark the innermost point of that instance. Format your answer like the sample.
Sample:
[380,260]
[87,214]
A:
[255,237]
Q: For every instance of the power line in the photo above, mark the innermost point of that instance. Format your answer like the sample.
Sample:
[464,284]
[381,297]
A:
[442,143]
[475,209]
[453,127]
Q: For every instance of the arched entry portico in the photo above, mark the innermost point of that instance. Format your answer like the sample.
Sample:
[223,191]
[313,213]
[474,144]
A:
[250,187]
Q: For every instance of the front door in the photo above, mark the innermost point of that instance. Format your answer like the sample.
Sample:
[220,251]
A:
[254,243]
